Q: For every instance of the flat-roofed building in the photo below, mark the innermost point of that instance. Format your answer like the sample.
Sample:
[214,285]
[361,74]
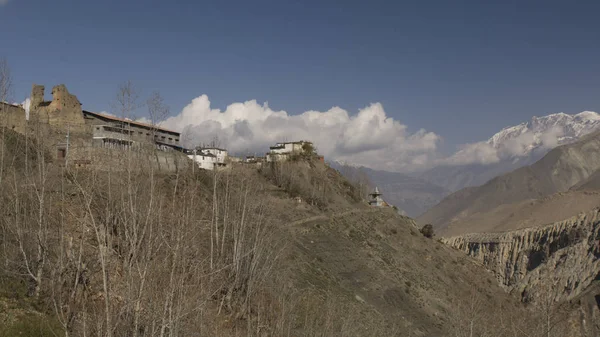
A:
[283,151]
[111,130]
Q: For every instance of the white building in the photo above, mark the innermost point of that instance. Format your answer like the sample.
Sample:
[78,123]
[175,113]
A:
[205,160]
[282,151]
[254,159]
[221,154]
[209,158]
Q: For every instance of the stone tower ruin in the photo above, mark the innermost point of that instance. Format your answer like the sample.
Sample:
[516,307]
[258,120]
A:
[64,109]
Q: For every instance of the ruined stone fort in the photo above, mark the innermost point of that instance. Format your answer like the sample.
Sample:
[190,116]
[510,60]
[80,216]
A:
[80,138]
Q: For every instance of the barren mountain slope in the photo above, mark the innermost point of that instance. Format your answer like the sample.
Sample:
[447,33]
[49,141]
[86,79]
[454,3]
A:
[381,263]
[375,263]
[591,183]
[557,171]
[528,213]
[580,198]
[233,253]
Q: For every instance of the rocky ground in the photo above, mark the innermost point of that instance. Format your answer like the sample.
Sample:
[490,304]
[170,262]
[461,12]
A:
[556,264]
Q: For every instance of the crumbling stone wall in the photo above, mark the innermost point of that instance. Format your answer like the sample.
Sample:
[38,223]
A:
[12,117]
[64,109]
[53,120]
[62,121]
[37,95]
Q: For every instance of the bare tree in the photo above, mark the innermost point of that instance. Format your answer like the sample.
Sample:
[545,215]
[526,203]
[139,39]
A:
[5,91]
[126,100]
[157,112]
[157,109]
[359,178]
[5,81]
[552,321]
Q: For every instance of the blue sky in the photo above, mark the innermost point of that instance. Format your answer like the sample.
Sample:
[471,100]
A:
[460,69]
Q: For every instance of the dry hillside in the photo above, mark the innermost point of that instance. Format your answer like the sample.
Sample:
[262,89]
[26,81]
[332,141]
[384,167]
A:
[195,253]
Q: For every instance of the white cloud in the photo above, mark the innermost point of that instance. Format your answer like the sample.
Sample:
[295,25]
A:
[475,153]
[368,138]
[107,113]
[550,138]
[26,104]
[3,2]
[519,144]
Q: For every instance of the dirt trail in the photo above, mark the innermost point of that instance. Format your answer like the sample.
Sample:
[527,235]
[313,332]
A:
[331,216]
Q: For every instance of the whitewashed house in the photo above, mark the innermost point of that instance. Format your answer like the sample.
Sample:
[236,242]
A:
[219,153]
[282,151]
[204,160]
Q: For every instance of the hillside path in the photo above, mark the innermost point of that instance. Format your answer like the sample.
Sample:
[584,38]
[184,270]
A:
[327,217]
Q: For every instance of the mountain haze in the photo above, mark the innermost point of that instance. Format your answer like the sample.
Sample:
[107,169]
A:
[511,148]
[410,194]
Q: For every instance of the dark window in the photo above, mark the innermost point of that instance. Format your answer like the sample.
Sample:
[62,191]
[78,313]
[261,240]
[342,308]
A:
[62,153]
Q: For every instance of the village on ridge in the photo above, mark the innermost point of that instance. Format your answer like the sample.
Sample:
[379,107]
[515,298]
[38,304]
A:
[82,138]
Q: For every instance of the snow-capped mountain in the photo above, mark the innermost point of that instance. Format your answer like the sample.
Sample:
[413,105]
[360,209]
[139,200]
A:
[544,133]
[514,147]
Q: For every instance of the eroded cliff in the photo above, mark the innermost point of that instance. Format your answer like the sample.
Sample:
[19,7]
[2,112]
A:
[557,263]
[565,253]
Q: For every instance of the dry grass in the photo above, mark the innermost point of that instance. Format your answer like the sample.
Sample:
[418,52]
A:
[143,253]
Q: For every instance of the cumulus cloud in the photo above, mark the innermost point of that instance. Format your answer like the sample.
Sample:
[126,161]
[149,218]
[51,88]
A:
[108,113]
[369,137]
[475,153]
[550,138]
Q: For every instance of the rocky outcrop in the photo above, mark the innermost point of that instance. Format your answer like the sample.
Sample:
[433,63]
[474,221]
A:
[555,266]
[562,258]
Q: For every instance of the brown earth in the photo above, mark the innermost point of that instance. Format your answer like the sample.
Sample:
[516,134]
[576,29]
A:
[233,253]
[529,213]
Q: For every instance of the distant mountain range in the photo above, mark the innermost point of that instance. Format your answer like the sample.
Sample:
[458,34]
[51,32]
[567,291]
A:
[411,195]
[561,184]
[514,146]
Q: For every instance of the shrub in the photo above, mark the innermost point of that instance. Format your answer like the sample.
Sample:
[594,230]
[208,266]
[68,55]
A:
[427,231]
[308,149]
